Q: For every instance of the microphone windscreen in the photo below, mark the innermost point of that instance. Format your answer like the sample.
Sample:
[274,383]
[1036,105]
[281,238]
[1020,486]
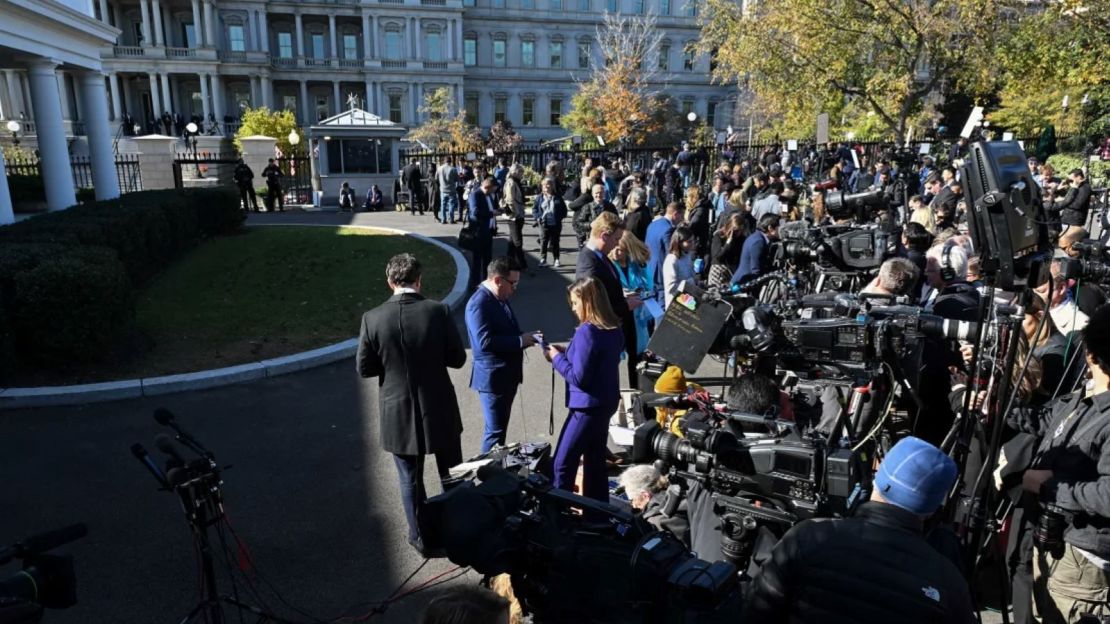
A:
[165,444]
[163,416]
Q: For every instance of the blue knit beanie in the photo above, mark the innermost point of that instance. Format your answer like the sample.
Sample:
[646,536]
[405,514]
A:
[915,476]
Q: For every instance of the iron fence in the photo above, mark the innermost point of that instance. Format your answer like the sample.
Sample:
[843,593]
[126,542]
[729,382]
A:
[128,171]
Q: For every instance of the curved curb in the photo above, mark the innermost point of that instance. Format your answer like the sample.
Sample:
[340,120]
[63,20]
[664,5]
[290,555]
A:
[153,386]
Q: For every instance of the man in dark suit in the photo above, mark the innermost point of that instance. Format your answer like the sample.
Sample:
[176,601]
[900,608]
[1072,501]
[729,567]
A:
[588,212]
[593,261]
[481,215]
[754,260]
[413,179]
[498,346]
[408,343]
[658,241]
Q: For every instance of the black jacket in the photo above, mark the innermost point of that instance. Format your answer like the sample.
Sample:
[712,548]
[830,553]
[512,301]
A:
[1073,209]
[591,264]
[586,215]
[408,343]
[243,174]
[873,567]
[699,223]
[1079,458]
[411,176]
[638,221]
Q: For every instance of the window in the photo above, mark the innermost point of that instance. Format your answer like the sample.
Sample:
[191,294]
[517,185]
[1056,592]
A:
[528,111]
[318,45]
[289,103]
[556,111]
[393,45]
[471,105]
[189,35]
[556,48]
[638,7]
[691,8]
[196,104]
[584,6]
[432,45]
[499,106]
[556,5]
[528,4]
[665,57]
[711,115]
[498,52]
[688,60]
[687,107]
[583,54]
[664,7]
[350,47]
[237,38]
[137,32]
[498,4]
[285,45]
[470,50]
[469,3]
[612,6]
[366,156]
[395,107]
[528,53]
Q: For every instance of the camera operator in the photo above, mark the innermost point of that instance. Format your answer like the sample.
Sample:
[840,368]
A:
[948,293]
[896,278]
[858,569]
[647,493]
[1071,478]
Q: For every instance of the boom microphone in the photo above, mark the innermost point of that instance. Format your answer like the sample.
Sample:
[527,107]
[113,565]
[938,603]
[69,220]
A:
[166,445]
[43,542]
[163,417]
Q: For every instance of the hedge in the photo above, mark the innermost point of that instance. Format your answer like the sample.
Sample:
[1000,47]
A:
[1063,163]
[68,279]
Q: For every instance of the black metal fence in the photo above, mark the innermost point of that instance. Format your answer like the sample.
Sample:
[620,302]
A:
[128,171]
[297,173]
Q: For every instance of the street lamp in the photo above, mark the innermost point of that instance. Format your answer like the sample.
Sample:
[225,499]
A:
[191,131]
[294,139]
[691,117]
[14,128]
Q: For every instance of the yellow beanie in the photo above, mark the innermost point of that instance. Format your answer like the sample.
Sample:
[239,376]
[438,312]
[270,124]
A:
[672,381]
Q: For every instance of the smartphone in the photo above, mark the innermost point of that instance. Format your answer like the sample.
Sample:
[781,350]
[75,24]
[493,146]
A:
[540,341]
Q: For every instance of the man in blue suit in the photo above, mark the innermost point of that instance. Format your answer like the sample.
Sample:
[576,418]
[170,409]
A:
[498,345]
[481,215]
[659,240]
[754,257]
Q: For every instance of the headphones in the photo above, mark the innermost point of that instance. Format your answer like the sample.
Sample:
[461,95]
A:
[947,272]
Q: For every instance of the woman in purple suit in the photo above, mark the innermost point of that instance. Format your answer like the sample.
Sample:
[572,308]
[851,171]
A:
[590,364]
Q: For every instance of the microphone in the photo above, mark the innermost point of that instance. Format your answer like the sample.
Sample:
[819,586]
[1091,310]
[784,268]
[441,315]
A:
[165,417]
[140,454]
[43,542]
[165,444]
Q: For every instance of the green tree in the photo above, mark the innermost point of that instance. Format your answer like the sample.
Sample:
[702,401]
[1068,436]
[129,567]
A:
[446,128]
[850,57]
[1059,52]
[264,122]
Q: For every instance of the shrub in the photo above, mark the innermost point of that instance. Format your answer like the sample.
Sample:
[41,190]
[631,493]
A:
[26,188]
[86,195]
[1063,163]
[68,278]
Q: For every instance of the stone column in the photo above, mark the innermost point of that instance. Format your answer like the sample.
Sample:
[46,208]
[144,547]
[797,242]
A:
[167,98]
[118,11]
[418,32]
[7,213]
[167,19]
[264,31]
[449,41]
[198,30]
[104,12]
[147,39]
[366,39]
[159,38]
[332,35]
[256,151]
[63,95]
[57,174]
[300,34]
[256,97]
[305,115]
[338,104]
[370,97]
[412,103]
[204,95]
[117,105]
[458,39]
[218,98]
[155,100]
[267,91]
[210,23]
[15,98]
[252,30]
[99,134]
[376,39]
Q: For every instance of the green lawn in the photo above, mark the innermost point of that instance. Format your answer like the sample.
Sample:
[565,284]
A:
[270,292]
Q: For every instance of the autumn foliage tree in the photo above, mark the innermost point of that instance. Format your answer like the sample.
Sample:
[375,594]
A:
[623,96]
[849,58]
[445,128]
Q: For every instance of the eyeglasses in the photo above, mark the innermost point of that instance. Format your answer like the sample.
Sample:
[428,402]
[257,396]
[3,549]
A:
[512,283]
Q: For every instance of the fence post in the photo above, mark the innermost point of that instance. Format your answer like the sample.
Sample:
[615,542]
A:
[256,151]
[7,212]
[156,156]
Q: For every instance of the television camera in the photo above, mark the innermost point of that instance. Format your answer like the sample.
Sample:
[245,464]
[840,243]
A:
[46,580]
[1092,263]
[560,549]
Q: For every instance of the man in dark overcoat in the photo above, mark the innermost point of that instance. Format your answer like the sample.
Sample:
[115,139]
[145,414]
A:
[408,343]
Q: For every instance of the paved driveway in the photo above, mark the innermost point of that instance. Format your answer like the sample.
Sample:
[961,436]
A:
[309,491]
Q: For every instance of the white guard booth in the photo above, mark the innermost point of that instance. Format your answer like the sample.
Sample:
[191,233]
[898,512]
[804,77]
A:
[359,148]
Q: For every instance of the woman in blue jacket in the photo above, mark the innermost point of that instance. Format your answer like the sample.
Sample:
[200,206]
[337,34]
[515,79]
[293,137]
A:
[590,366]
[549,210]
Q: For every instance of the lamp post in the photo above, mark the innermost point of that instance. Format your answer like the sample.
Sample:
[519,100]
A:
[294,141]
[14,128]
[191,131]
